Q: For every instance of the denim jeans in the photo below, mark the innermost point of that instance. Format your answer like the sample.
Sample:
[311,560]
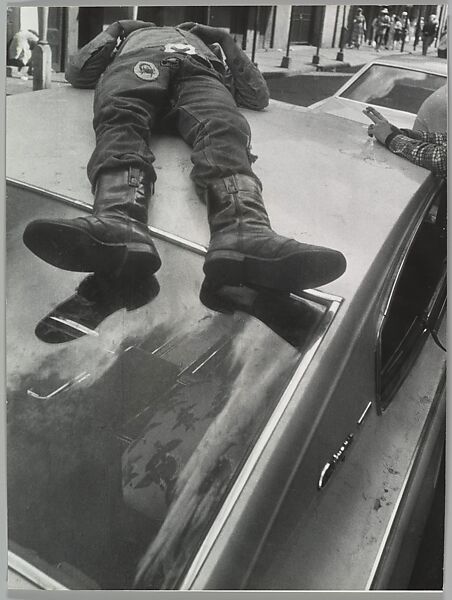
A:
[181,92]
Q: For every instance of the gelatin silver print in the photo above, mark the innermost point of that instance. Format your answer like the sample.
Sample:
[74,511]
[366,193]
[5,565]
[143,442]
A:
[226,297]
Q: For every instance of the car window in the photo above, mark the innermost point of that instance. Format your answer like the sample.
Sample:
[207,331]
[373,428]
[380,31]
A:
[393,87]
[416,301]
[127,436]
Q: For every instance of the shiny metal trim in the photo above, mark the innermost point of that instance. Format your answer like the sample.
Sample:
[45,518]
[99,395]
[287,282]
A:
[439,394]
[318,296]
[204,362]
[32,573]
[256,452]
[74,325]
[395,273]
[158,233]
[78,379]
[362,417]
[330,466]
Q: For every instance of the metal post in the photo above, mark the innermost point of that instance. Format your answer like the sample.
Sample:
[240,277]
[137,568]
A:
[256,26]
[316,57]
[404,33]
[340,54]
[336,20]
[286,59]
[42,54]
[132,12]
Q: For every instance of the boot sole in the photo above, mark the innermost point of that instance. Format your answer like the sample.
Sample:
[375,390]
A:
[293,273]
[73,249]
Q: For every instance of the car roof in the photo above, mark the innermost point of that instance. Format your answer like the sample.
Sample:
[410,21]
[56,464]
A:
[323,182]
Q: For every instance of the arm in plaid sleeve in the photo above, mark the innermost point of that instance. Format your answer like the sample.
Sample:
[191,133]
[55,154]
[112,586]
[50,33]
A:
[425,136]
[431,155]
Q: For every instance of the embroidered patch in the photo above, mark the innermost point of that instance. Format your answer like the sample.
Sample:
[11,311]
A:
[184,48]
[146,70]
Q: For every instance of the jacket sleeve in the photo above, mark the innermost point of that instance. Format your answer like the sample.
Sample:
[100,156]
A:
[246,82]
[428,151]
[85,67]
[426,136]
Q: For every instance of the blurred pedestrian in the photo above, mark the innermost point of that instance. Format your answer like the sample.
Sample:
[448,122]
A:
[406,27]
[391,33]
[20,51]
[382,27]
[373,32]
[359,29]
[418,32]
[398,33]
[429,33]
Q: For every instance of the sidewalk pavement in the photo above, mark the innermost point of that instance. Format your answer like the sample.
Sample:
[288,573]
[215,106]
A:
[269,63]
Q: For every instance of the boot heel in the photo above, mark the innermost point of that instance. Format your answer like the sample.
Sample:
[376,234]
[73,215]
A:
[225,267]
[140,257]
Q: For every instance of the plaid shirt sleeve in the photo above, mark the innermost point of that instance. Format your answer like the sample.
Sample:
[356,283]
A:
[428,150]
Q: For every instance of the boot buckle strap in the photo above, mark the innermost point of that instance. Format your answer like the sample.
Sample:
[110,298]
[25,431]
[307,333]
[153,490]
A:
[231,185]
[136,178]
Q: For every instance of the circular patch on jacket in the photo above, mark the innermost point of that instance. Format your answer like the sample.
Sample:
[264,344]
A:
[146,70]
[185,48]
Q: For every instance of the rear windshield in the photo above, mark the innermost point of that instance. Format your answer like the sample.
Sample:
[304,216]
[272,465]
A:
[394,87]
[132,409]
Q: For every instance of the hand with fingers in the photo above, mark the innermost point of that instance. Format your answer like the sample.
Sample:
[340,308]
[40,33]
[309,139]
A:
[381,128]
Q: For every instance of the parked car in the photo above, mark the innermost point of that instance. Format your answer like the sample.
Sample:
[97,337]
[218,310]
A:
[283,442]
[396,87]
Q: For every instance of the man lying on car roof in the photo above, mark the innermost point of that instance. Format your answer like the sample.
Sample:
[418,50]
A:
[147,75]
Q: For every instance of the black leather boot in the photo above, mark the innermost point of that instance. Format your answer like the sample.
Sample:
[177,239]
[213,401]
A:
[114,239]
[95,298]
[244,250]
[294,319]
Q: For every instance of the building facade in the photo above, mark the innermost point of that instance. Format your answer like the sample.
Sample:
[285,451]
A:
[69,28]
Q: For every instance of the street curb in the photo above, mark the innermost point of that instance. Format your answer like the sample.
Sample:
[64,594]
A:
[308,69]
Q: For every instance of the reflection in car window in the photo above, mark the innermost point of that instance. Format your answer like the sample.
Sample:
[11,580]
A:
[126,442]
[394,87]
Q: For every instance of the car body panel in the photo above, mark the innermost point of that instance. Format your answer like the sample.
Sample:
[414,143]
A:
[331,210]
[369,215]
[352,108]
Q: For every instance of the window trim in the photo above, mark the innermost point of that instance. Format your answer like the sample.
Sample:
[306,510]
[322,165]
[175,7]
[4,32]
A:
[436,304]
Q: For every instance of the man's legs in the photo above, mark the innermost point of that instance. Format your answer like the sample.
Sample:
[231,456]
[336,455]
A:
[243,248]
[115,238]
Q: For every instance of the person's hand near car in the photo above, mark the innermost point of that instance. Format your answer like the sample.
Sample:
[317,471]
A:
[428,150]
